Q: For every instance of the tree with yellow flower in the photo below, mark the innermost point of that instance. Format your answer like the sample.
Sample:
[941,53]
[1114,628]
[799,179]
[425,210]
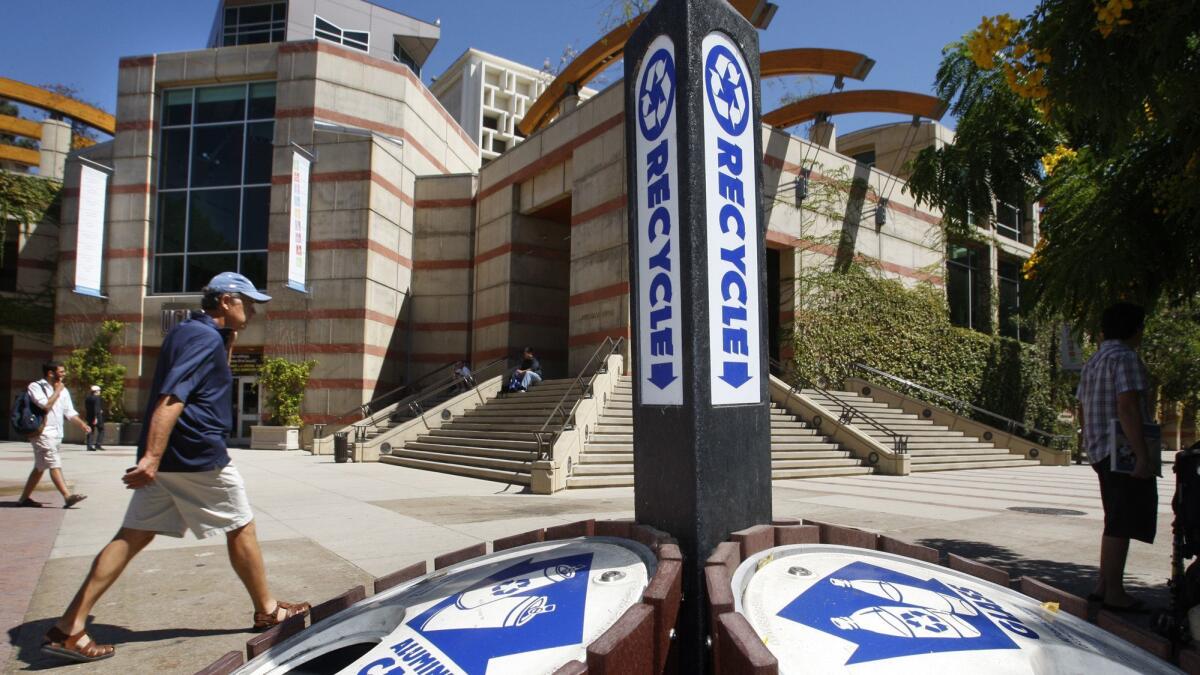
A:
[1092,108]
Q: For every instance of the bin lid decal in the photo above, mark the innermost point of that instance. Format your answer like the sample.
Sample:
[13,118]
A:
[524,611]
[823,608]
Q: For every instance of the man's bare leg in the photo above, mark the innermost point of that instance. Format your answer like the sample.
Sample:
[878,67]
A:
[1113,552]
[56,477]
[246,557]
[106,568]
[35,477]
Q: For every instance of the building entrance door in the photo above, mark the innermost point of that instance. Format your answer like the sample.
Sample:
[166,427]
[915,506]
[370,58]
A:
[246,412]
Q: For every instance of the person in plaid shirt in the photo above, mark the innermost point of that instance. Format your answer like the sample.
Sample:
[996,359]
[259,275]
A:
[1114,384]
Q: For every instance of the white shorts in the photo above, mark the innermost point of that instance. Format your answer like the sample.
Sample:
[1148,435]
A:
[45,452]
[205,502]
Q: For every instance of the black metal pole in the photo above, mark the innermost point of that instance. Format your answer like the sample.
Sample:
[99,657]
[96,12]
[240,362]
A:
[698,272]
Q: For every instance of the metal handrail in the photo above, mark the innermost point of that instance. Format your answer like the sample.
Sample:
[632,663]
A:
[365,409]
[414,401]
[541,435]
[849,413]
[1010,424]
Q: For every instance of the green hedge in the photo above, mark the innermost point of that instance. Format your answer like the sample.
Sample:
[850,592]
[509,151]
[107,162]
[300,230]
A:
[854,317]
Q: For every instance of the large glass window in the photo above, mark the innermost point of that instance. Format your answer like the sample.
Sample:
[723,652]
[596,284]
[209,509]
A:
[967,287]
[358,39]
[399,55]
[253,24]
[214,185]
[1012,317]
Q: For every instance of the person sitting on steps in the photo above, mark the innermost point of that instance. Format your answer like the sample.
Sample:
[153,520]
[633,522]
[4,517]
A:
[530,371]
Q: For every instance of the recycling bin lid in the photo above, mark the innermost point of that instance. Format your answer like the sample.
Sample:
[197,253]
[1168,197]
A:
[522,611]
[836,609]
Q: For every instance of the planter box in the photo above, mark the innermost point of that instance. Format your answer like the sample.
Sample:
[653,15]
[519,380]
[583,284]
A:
[130,433]
[274,438]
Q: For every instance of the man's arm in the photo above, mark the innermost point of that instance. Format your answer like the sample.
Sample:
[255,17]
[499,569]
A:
[162,422]
[1129,411]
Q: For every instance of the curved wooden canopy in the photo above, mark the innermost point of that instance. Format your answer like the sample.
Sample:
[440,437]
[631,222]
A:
[68,107]
[602,53]
[17,126]
[805,61]
[11,153]
[864,100]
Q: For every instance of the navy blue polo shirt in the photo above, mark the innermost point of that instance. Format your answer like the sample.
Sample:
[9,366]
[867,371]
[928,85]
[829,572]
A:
[194,368]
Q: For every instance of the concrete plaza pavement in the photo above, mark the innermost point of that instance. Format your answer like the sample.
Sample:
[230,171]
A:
[326,527]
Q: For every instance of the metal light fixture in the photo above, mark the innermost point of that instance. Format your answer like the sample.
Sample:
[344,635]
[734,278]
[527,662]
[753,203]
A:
[881,213]
[802,186]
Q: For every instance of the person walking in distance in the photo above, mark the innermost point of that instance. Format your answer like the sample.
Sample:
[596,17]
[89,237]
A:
[51,395]
[93,408]
[1114,387]
[184,479]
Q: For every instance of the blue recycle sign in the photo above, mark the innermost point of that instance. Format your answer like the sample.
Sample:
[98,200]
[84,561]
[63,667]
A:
[656,94]
[889,614]
[728,93]
[530,606]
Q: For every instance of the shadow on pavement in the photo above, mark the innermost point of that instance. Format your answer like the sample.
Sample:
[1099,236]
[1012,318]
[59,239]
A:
[26,639]
[1068,576]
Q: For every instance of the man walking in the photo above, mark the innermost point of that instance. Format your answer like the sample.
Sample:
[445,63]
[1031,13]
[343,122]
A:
[51,395]
[93,407]
[1114,387]
[183,479]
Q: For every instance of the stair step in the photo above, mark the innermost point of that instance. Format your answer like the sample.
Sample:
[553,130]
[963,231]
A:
[814,464]
[950,459]
[493,457]
[957,466]
[527,444]
[459,469]
[822,472]
[600,481]
[488,435]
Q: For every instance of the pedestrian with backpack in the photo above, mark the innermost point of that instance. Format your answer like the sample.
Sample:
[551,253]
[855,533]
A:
[39,414]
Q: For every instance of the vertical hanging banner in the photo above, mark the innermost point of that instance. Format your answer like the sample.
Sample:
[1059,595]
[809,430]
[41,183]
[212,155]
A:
[731,215]
[660,338]
[89,235]
[298,222]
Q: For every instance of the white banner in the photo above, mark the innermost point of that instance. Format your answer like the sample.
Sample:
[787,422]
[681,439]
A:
[89,236]
[660,336]
[298,230]
[731,215]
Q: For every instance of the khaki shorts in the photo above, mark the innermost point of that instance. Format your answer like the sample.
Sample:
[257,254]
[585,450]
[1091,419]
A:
[45,452]
[205,502]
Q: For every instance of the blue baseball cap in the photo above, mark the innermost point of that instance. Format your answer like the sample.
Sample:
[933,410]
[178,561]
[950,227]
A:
[232,282]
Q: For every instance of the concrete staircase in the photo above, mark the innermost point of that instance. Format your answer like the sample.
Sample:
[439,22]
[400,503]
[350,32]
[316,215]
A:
[494,441]
[399,416]
[931,447]
[796,450]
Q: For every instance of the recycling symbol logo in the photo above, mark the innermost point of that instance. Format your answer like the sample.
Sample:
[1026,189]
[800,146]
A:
[656,94]
[728,92]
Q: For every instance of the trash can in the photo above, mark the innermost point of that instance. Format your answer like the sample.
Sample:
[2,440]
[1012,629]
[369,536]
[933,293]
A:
[341,447]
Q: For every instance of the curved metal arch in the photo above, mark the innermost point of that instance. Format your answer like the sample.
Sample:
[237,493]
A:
[68,107]
[11,153]
[17,126]
[591,61]
[864,100]
[812,61]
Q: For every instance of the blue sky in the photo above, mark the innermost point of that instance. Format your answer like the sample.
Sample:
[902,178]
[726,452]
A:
[904,38]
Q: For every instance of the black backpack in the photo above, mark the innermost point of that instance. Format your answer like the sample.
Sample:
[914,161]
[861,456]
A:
[27,417]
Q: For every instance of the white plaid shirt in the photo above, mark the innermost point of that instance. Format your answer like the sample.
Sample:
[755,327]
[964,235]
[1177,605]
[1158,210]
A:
[1114,369]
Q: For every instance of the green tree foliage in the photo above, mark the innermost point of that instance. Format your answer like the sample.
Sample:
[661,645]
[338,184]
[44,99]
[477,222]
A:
[1172,352]
[95,364]
[1106,91]
[285,382]
[855,317]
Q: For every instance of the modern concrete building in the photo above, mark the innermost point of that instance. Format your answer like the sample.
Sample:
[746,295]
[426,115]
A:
[360,25]
[417,254]
[202,161]
[489,96]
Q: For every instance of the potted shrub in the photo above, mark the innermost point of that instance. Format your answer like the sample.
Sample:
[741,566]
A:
[95,364]
[284,382]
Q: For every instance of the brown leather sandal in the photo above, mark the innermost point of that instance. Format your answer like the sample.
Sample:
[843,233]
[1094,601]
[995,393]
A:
[282,612]
[58,643]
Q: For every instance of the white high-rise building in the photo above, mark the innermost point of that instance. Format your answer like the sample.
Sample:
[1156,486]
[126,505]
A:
[489,95]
